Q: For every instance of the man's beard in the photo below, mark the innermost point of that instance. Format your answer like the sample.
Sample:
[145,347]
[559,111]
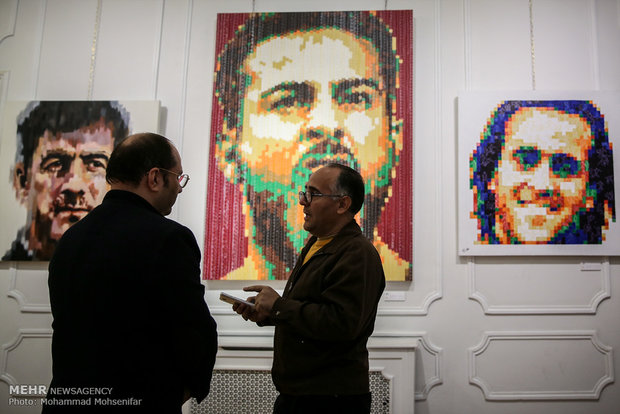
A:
[278,246]
[39,237]
[46,229]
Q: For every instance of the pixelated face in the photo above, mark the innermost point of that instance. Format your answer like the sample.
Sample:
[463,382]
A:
[67,180]
[301,111]
[541,181]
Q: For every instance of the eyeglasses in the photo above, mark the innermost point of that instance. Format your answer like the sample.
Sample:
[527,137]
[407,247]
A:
[182,178]
[306,197]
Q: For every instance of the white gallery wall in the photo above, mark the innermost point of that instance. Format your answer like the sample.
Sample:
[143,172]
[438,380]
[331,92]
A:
[495,334]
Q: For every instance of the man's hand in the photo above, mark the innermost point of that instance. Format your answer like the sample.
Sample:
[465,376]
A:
[265,299]
[264,303]
[247,312]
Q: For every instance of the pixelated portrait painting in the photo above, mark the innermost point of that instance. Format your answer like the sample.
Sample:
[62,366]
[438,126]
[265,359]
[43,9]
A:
[537,174]
[294,92]
[55,155]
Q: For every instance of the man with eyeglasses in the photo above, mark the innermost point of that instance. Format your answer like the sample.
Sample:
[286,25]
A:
[328,308]
[543,174]
[126,297]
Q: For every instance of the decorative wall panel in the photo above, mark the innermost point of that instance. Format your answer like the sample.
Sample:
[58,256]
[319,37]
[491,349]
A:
[8,15]
[26,287]
[576,285]
[554,365]
[31,347]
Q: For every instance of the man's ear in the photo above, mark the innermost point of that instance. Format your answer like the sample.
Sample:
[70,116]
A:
[344,203]
[226,152]
[154,180]
[21,183]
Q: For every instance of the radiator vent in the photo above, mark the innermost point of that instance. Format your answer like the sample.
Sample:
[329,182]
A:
[250,391]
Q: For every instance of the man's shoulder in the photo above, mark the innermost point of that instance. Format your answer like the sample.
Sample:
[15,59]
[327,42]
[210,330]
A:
[124,217]
[354,246]
[123,225]
[149,221]
[354,235]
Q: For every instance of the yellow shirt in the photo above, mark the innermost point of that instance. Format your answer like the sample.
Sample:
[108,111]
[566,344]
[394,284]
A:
[316,246]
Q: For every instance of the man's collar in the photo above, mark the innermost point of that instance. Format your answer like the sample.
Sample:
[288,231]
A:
[351,228]
[131,197]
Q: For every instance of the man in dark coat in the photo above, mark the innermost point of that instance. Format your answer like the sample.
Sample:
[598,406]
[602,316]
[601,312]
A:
[132,332]
[329,305]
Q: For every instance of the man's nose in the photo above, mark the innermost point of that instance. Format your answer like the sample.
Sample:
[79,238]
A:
[540,179]
[323,115]
[76,179]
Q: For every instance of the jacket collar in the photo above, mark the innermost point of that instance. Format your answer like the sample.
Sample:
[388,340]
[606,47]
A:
[128,196]
[352,229]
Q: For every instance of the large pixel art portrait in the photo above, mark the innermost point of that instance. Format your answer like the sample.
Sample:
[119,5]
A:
[56,154]
[543,174]
[293,92]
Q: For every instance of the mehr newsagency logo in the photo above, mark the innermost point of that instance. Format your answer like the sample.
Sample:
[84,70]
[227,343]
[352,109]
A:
[38,394]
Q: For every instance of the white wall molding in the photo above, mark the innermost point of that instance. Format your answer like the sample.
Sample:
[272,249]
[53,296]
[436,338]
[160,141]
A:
[7,349]
[157,52]
[8,16]
[416,310]
[186,59]
[5,76]
[436,294]
[467,43]
[39,51]
[596,71]
[434,279]
[434,361]
[548,375]
[421,310]
[587,306]
[25,305]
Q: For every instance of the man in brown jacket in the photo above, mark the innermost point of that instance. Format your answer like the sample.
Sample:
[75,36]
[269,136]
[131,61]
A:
[328,308]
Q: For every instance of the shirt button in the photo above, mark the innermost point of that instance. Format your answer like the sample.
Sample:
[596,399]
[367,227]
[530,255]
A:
[277,313]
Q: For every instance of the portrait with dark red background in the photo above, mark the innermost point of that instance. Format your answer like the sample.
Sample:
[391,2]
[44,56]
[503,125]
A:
[293,92]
